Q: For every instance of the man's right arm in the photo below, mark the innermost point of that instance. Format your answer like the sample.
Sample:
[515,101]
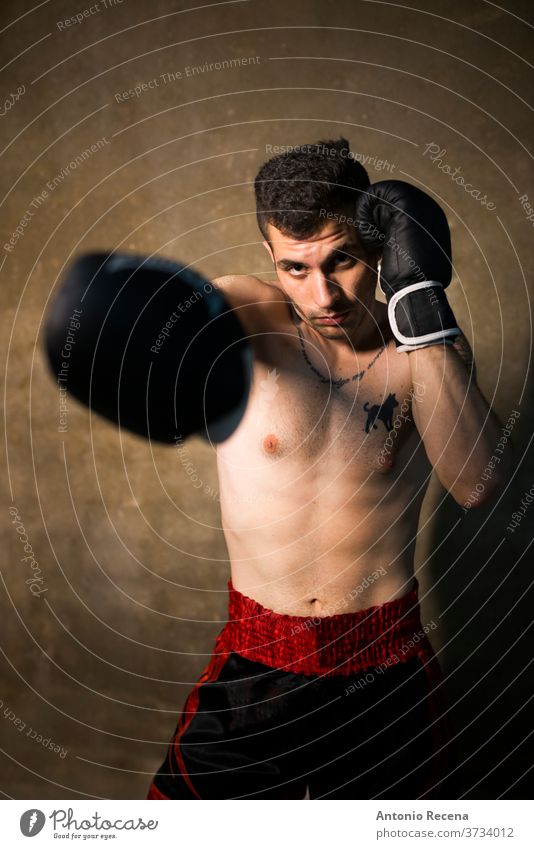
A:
[250,298]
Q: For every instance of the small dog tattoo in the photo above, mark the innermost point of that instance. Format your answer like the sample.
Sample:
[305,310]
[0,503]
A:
[383,412]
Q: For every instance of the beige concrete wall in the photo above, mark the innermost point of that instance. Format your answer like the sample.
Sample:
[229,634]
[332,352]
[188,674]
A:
[131,554]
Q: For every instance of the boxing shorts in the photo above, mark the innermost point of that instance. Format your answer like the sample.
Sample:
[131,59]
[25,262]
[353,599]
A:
[348,706]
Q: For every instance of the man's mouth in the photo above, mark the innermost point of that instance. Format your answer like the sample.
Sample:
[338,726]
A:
[334,318]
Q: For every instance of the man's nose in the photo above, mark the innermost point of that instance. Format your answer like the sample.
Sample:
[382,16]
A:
[323,290]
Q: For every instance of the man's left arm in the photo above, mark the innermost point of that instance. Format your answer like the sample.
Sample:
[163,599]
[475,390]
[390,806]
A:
[459,430]
[409,231]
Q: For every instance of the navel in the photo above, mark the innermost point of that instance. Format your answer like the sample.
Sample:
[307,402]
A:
[271,443]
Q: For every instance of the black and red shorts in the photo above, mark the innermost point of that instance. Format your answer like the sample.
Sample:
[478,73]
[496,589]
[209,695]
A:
[290,707]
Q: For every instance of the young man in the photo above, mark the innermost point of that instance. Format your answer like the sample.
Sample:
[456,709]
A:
[323,684]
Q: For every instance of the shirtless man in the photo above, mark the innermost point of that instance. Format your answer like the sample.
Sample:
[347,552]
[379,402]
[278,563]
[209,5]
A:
[323,684]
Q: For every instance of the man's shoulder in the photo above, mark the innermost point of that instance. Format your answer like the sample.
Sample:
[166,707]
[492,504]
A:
[244,285]
[251,297]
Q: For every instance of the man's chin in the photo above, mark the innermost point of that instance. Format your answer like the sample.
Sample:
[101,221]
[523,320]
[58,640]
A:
[330,331]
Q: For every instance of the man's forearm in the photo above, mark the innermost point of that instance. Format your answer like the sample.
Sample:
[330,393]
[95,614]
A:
[458,428]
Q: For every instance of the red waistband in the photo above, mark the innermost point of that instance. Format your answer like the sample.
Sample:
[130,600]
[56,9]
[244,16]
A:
[342,644]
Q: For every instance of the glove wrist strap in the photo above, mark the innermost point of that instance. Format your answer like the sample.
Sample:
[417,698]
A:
[420,315]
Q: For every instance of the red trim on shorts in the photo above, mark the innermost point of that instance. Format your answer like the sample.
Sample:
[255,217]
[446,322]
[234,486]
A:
[342,644]
[154,793]
[210,674]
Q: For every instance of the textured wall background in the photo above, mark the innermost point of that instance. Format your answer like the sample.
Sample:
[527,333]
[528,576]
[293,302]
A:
[133,568]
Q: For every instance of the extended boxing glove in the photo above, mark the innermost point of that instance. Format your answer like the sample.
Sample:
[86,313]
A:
[151,346]
[410,231]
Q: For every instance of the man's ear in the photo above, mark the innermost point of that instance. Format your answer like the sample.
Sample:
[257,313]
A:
[267,246]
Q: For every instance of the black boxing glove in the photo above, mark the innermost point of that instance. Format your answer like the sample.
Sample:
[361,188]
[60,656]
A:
[151,346]
[410,230]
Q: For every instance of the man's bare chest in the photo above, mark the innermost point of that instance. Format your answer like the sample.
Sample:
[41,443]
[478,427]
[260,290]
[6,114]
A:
[301,411]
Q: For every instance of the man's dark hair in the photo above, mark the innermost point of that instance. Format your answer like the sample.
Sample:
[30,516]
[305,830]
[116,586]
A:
[293,187]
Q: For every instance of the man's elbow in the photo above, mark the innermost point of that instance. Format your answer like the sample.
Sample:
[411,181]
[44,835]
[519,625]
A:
[480,493]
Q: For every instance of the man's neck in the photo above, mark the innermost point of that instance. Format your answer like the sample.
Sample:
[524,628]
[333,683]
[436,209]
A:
[371,333]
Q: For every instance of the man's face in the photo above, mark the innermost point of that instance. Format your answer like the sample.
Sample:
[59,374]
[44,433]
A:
[329,277]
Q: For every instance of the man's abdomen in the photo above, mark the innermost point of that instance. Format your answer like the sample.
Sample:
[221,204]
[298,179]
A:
[327,553]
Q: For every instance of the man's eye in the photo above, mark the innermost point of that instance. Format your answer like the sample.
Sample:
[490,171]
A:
[297,270]
[346,260]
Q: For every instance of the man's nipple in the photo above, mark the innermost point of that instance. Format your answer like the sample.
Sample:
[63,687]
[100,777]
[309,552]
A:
[271,443]
[384,463]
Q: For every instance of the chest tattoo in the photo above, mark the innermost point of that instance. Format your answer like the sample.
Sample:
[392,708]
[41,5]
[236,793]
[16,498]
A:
[381,412]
